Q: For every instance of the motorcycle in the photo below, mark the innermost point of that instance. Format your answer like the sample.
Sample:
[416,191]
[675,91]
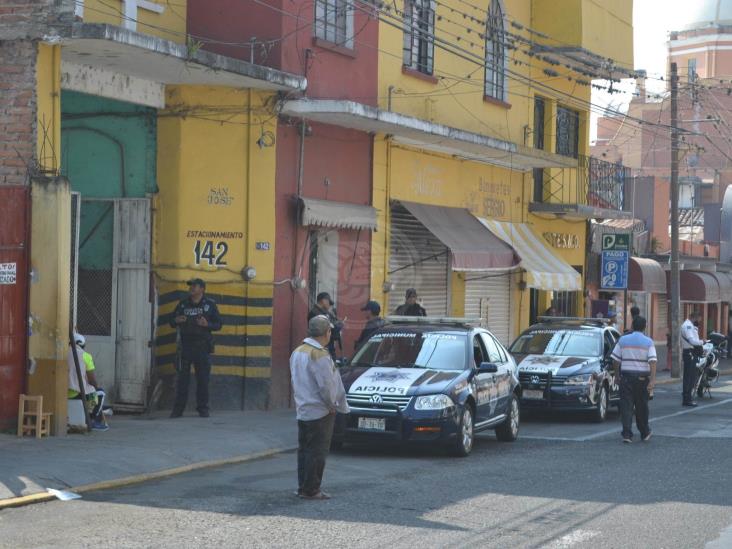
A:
[708,363]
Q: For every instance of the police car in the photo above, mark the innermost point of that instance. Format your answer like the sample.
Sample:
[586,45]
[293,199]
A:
[431,380]
[564,363]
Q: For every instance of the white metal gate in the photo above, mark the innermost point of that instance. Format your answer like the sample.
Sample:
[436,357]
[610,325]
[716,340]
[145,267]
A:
[111,307]
[488,297]
[132,265]
[417,259]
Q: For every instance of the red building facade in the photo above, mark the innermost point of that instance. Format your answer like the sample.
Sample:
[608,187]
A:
[326,251]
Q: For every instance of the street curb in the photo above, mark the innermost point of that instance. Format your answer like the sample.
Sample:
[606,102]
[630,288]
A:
[680,379]
[143,477]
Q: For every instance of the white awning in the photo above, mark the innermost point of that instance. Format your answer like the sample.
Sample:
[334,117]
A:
[424,134]
[337,215]
[544,269]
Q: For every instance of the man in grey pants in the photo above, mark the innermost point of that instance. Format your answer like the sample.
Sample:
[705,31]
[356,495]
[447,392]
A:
[319,394]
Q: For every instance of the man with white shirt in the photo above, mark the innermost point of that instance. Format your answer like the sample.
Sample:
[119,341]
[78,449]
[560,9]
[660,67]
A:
[319,394]
[689,341]
[635,365]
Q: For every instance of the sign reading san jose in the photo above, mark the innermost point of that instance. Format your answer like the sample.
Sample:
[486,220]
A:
[615,258]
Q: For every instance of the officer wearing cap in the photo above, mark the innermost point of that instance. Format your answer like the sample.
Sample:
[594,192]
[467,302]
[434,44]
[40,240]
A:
[196,317]
[373,323]
[410,307]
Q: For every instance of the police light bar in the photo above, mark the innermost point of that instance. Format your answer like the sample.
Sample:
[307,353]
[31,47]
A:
[432,320]
[573,319]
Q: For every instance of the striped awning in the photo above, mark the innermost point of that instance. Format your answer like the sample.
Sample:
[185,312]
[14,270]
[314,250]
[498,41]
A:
[544,269]
[336,215]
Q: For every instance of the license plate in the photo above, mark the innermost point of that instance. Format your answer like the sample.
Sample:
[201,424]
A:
[372,423]
[533,395]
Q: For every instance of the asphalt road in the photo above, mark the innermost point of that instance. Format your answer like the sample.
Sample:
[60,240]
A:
[565,483]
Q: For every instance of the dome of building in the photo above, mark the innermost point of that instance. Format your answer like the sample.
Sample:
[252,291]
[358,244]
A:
[706,13]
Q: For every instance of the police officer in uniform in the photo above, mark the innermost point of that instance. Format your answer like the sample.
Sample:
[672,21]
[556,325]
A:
[689,341]
[196,317]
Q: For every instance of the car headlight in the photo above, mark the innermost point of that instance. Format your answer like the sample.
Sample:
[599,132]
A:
[582,379]
[433,402]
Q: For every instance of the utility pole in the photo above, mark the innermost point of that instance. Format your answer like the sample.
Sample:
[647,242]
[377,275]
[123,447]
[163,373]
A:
[675,284]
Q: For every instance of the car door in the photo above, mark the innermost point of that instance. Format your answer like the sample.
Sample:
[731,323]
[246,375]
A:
[485,384]
[497,356]
[610,339]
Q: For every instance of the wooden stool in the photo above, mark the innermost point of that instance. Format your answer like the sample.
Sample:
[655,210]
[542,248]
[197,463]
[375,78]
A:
[31,418]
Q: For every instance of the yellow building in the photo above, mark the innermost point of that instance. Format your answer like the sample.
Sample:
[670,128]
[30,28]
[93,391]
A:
[168,156]
[482,132]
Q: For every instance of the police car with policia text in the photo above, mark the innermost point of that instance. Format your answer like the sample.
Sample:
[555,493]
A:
[430,380]
[564,363]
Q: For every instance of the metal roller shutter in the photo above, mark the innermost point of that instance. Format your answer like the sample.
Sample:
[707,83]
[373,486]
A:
[661,321]
[489,298]
[417,259]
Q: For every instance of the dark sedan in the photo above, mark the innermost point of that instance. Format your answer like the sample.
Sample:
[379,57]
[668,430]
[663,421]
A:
[565,364]
[432,381]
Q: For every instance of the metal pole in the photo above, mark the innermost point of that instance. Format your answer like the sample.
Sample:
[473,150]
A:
[675,285]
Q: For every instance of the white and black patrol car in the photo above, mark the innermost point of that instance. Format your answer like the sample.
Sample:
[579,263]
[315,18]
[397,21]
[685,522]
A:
[431,380]
[564,364]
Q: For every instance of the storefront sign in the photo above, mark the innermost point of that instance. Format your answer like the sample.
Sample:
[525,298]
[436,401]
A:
[220,197]
[563,240]
[494,196]
[210,247]
[7,273]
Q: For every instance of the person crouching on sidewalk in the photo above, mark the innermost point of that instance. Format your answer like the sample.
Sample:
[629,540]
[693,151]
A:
[94,394]
[635,366]
[319,394]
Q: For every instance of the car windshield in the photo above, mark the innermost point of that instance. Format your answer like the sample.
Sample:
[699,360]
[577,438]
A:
[436,350]
[582,343]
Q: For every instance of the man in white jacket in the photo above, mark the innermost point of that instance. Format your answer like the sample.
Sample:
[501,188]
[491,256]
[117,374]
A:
[319,394]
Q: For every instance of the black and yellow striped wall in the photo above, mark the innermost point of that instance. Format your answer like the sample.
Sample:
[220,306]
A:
[242,359]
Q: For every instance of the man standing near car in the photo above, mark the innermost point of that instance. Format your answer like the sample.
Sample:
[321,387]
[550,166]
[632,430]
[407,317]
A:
[410,307]
[319,394]
[690,344]
[635,366]
[196,317]
[324,306]
[372,324]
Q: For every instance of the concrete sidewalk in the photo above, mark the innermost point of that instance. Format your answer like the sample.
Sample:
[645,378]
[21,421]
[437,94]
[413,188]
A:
[137,448]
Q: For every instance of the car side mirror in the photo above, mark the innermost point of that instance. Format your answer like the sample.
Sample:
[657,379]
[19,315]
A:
[487,368]
[341,362]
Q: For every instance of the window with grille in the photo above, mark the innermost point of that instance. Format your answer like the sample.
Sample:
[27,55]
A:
[495,51]
[539,116]
[419,29]
[691,70]
[567,132]
[334,21]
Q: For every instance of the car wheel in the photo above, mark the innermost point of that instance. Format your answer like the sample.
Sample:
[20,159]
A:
[466,434]
[600,412]
[508,430]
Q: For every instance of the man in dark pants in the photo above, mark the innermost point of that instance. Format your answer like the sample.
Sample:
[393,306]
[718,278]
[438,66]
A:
[196,317]
[372,324]
[690,342]
[635,361]
[634,312]
[319,394]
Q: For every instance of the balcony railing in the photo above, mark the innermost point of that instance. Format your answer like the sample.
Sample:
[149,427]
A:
[593,182]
